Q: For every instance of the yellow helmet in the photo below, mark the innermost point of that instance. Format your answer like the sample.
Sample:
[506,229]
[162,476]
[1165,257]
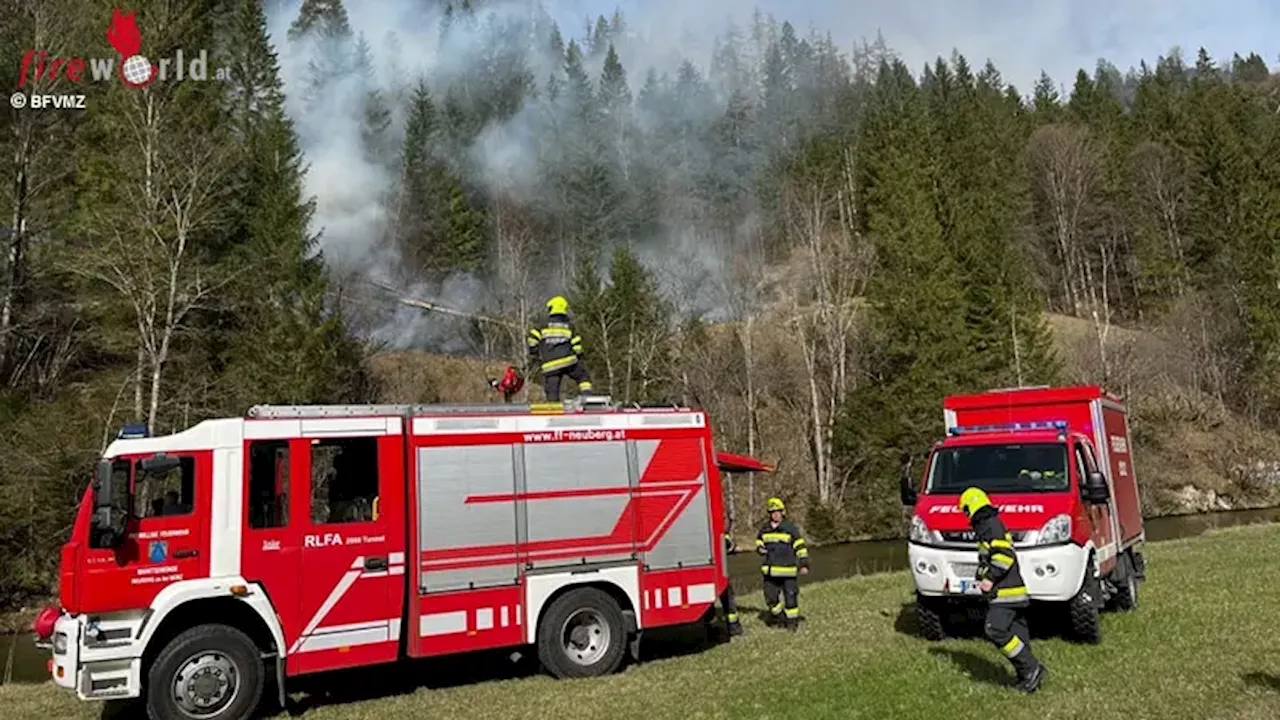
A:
[773,504]
[557,305]
[972,500]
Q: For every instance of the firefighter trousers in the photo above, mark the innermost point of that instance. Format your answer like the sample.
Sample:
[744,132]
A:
[782,595]
[1006,627]
[730,605]
[551,380]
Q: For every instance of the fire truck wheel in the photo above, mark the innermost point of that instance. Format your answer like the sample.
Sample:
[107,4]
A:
[210,672]
[929,618]
[1083,609]
[1126,597]
[582,634]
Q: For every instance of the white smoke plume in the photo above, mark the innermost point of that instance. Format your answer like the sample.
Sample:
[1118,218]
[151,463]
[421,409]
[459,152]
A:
[405,41]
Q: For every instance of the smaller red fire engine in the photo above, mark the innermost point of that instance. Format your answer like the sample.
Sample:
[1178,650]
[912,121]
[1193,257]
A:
[1057,463]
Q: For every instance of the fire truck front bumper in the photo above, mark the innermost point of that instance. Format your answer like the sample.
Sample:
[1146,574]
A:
[88,660]
[1052,573]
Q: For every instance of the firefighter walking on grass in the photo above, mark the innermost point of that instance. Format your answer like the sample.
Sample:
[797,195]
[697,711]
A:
[558,347]
[1000,580]
[784,557]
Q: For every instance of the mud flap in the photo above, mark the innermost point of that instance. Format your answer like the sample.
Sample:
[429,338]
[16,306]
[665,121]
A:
[281,696]
[633,645]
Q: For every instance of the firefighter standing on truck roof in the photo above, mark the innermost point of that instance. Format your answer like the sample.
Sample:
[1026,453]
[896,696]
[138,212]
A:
[784,557]
[557,346]
[1000,580]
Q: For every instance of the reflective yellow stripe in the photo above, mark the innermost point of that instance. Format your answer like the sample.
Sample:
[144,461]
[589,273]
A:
[556,332]
[732,617]
[1004,561]
[559,363]
[780,570]
[759,542]
[533,332]
[1011,592]
[547,408]
[793,612]
[584,385]
[799,542]
[802,553]
[1012,647]
[1002,544]
[776,608]
[777,537]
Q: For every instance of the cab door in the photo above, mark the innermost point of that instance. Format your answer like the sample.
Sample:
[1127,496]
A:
[353,541]
[272,546]
[166,533]
[1100,516]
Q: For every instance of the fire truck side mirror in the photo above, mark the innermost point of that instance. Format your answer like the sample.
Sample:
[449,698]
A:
[1096,490]
[106,532]
[907,491]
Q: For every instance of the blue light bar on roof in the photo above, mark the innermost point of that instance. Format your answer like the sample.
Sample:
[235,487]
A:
[132,432]
[1009,427]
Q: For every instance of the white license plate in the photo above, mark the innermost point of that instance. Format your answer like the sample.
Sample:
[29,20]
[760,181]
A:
[964,570]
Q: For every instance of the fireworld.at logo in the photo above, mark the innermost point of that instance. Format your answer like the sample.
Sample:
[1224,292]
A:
[132,67]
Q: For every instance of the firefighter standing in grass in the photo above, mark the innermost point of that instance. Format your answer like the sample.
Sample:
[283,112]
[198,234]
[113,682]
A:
[784,557]
[1000,580]
[557,346]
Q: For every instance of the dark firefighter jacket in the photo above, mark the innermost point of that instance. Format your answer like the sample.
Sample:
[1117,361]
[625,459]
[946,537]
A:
[997,560]
[556,345]
[782,549]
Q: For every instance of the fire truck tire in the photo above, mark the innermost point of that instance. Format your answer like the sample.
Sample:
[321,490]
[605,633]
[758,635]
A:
[930,619]
[210,672]
[582,634]
[1126,597]
[1083,610]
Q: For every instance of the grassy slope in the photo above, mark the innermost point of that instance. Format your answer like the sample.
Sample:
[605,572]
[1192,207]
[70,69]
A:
[1201,646]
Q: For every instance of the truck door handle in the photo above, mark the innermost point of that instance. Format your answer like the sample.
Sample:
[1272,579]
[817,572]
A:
[185,553]
[375,563]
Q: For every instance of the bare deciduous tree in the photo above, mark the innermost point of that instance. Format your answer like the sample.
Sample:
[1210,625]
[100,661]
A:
[1163,189]
[39,163]
[147,247]
[1065,174]
[826,301]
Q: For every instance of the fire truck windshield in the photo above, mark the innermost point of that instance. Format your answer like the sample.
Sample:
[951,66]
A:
[1030,467]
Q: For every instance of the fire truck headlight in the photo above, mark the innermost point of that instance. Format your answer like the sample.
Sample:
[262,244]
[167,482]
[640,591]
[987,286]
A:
[60,643]
[1057,530]
[919,531]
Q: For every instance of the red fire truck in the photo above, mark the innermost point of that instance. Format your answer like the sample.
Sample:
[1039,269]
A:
[302,539]
[1056,462]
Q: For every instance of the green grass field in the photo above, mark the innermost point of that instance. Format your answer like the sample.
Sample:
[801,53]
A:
[1203,644]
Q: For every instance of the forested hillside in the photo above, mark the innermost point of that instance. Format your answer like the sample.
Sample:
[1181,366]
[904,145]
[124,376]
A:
[815,243]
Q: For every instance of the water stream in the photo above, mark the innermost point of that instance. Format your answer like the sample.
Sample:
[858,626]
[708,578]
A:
[23,662]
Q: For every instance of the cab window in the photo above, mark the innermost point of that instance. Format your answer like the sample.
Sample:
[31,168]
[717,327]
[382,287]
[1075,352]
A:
[172,493]
[1084,465]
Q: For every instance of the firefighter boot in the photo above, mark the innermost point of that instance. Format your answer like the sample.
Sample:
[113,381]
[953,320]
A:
[793,624]
[1032,682]
[735,627]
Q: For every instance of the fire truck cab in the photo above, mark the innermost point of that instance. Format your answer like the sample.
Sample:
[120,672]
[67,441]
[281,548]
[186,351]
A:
[1056,463]
[308,538]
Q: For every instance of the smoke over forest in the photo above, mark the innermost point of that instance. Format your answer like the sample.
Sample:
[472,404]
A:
[551,149]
